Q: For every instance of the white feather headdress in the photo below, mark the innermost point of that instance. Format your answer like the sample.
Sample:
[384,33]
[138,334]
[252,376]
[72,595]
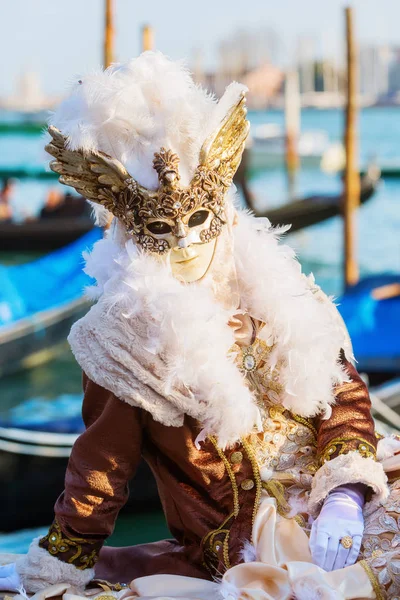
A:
[131,110]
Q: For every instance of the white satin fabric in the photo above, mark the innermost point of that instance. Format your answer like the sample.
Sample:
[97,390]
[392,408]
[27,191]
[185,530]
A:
[283,570]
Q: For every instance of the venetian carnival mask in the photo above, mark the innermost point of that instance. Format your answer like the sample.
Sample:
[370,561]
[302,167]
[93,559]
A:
[174,222]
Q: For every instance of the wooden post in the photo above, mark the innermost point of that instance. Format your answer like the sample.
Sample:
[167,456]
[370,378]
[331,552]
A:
[352,176]
[292,126]
[147,38]
[108,34]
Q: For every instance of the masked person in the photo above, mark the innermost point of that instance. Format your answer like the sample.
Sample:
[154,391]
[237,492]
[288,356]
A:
[209,354]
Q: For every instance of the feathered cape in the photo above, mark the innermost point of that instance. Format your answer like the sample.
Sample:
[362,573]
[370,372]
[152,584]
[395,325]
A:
[163,346]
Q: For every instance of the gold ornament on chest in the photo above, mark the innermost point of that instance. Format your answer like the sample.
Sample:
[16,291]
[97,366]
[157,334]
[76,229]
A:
[254,362]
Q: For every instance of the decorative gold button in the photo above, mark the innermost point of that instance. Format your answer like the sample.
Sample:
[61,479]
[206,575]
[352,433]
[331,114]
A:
[247,484]
[236,457]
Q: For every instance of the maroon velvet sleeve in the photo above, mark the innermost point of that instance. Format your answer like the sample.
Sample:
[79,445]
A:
[351,426]
[104,458]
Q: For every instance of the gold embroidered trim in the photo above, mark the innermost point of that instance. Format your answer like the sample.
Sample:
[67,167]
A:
[277,490]
[343,446]
[56,544]
[230,474]
[300,520]
[305,422]
[225,551]
[257,478]
[207,543]
[374,582]
[107,586]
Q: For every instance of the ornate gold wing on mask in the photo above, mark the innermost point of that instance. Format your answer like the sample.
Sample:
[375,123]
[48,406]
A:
[222,152]
[96,176]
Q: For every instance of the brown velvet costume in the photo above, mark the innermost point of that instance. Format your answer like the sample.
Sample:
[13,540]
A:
[209,496]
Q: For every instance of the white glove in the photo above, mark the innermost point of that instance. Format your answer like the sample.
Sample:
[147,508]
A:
[341,515]
[9,579]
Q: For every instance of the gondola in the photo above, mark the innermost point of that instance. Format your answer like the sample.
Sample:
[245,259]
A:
[371,311]
[33,460]
[56,227]
[316,209]
[43,235]
[39,301]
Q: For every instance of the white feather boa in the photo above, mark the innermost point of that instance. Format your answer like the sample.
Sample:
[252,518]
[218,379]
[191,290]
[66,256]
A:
[147,329]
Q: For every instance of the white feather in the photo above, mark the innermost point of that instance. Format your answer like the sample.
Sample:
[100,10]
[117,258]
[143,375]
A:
[131,110]
[307,331]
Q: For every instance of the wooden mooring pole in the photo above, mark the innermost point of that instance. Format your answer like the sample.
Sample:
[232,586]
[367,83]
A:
[292,126]
[109,33]
[351,176]
[147,38]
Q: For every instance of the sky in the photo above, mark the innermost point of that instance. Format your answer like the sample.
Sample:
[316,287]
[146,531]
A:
[61,39]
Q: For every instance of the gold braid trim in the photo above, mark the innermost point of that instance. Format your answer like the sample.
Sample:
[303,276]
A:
[230,474]
[225,551]
[57,545]
[344,445]
[277,490]
[256,473]
[374,582]
[306,423]
[209,541]
[107,586]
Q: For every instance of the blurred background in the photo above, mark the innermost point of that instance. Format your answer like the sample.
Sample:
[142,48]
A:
[323,155]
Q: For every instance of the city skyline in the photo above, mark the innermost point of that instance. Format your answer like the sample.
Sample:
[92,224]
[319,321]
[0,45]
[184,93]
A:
[59,41]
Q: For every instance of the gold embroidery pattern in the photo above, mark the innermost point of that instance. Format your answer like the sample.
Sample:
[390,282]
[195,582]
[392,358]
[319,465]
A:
[107,586]
[218,538]
[306,423]
[380,545]
[253,362]
[231,475]
[374,582]
[212,542]
[276,489]
[344,445]
[57,545]
[257,478]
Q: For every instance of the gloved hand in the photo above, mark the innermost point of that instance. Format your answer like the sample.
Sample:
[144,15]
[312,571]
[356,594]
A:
[9,578]
[341,515]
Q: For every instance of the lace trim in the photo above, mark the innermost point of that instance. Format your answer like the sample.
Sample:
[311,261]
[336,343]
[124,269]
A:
[79,549]
[340,446]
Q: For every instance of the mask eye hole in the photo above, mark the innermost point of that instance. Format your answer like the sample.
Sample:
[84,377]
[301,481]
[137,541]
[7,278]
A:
[159,227]
[198,218]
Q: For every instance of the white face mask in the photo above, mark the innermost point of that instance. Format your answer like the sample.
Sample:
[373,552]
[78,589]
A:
[191,240]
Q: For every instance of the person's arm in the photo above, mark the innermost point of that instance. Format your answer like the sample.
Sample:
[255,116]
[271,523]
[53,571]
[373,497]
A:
[103,460]
[346,445]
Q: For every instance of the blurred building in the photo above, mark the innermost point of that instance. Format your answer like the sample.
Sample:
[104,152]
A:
[375,64]
[247,56]
[306,64]
[264,83]
[394,72]
[29,96]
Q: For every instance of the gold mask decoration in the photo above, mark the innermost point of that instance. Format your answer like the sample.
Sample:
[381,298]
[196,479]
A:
[173,218]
